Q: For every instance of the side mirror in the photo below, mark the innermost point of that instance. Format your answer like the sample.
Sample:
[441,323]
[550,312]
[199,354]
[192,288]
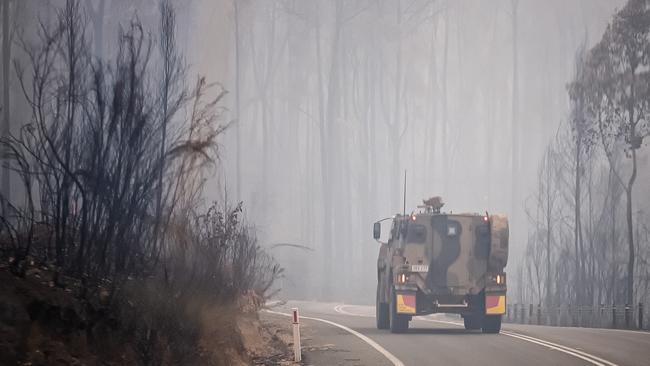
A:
[376,230]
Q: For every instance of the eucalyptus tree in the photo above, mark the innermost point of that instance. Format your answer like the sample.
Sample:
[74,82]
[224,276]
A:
[620,88]
[582,145]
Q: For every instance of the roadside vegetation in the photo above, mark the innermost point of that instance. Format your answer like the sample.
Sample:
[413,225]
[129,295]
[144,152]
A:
[113,162]
[589,242]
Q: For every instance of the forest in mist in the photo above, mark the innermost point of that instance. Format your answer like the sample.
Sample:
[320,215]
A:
[519,107]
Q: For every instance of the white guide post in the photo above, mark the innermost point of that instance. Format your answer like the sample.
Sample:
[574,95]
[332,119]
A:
[296,335]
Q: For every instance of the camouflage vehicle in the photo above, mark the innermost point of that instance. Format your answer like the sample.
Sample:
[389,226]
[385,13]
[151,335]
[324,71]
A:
[435,262]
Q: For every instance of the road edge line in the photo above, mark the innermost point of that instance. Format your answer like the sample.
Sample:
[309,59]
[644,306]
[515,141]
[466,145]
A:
[339,309]
[593,359]
[544,344]
[396,361]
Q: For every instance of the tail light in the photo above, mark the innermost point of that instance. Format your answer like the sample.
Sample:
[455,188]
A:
[500,279]
[402,278]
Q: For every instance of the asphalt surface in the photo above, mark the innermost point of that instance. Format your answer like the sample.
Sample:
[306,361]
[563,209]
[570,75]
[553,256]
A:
[441,340]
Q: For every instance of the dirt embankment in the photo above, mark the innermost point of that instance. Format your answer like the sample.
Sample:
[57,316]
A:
[42,324]
[45,324]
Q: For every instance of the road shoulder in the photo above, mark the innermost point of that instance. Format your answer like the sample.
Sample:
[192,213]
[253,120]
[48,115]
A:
[324,344]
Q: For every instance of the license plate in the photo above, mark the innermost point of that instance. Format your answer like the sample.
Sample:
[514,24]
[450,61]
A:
[420,268]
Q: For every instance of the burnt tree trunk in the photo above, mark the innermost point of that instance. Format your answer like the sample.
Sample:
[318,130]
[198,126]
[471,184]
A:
[6,126]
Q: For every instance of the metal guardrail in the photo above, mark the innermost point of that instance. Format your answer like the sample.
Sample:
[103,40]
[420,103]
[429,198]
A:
[597,316]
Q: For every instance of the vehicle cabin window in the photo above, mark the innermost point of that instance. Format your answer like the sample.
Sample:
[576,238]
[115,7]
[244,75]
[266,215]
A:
[416,234]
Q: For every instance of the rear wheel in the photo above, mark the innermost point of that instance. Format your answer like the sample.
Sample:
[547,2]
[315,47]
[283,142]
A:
[472,322]
[492,324]
[398,323]
[381,313]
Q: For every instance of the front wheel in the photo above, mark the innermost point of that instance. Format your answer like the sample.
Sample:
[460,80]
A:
[398,323]
[381,313]
[492,324]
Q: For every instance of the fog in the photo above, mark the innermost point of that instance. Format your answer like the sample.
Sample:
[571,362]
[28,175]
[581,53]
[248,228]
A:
[331,102]
[421,86]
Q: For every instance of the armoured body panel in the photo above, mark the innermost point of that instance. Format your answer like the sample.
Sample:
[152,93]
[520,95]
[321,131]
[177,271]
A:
[449,262]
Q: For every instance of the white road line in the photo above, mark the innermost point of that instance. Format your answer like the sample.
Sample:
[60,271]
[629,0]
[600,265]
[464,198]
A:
[588,357]
[373,344]
[609,330]
[567,350]
[270,304]
[441,321]
[594,360]
[339,309]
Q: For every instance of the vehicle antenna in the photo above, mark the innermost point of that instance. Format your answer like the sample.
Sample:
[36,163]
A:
[404,209]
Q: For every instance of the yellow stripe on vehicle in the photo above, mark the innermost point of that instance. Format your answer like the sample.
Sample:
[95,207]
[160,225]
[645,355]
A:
[499,309]
[403,307]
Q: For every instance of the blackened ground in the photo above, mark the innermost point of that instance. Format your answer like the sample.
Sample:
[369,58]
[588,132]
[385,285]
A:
[43,323]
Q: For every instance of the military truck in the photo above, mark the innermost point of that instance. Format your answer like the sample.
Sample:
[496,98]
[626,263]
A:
[436,262]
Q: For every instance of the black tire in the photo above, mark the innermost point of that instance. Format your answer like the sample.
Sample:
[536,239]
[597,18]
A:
[381,313]
[492,324]
[398,323]
[472,322]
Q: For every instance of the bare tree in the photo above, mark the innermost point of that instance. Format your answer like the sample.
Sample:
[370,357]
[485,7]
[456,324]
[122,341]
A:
[238,85]
[582,144]
[97,16]
[93,147]
[6,106]
[514,127]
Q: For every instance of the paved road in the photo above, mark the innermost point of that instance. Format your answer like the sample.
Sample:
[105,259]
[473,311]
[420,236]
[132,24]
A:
[439,340]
